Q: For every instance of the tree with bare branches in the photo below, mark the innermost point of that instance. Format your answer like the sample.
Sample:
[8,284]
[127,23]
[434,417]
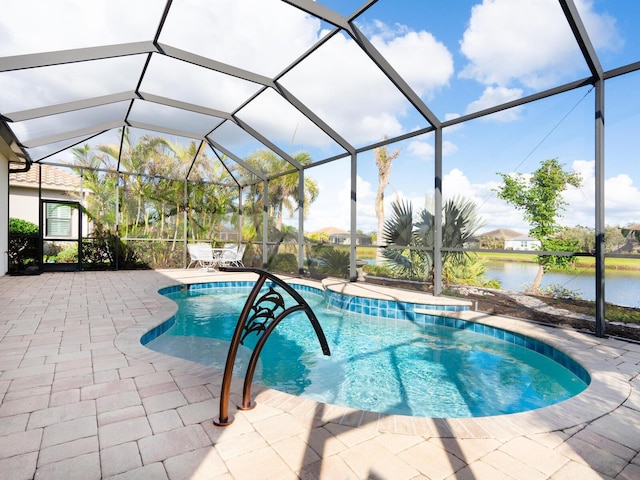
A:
[384,162]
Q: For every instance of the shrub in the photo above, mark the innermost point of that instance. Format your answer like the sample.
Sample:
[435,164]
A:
[24,245]
[284,263]
[18,225]
[379,271]
[557,290]
[470,271]
[68,255]
[334,262]
[99,252]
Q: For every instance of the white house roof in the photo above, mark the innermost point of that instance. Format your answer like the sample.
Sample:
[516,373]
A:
[523,238]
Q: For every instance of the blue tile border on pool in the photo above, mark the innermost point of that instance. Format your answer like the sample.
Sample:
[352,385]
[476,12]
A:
[510,337]
[157,331]
[393,310]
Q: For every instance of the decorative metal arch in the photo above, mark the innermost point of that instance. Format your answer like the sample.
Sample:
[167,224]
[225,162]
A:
[259,316]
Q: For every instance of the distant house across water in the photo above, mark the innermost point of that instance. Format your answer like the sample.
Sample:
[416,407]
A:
[523,242]
[343,237]
[507,239]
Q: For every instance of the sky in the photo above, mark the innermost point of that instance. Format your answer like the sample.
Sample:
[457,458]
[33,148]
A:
[459,57]
[506,50]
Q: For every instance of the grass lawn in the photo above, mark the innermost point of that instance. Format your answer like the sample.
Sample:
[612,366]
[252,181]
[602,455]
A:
[581,262]
[369,253]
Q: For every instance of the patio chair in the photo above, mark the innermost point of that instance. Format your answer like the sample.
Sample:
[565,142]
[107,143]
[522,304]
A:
[239,254]
[201,254]
[232,255]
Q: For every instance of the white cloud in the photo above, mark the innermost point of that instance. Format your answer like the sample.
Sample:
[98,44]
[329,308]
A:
[500,214]
[528,41]
[511,45]
[495,96]
[39,87]
[258,35]
[333,206]
[421,150]
[354,97]
[619,209]
[455,183]
[620,194]
[410,52]
[601,27]
[448,148]
[426,151]
[452,128]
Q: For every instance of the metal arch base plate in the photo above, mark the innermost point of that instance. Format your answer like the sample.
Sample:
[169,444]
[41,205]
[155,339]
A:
[220,423]
[251,406]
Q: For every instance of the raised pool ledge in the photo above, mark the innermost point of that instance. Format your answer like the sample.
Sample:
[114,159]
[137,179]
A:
[357,298]
[375,300]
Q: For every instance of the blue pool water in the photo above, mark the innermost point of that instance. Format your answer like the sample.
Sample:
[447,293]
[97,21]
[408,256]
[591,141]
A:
[379,364]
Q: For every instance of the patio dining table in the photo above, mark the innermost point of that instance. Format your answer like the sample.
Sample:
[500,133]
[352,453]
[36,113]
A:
[218,254]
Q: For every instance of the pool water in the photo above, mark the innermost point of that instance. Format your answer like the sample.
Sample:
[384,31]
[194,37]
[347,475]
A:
[376,364]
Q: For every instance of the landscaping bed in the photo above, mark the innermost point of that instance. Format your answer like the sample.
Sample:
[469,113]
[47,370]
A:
[503,304]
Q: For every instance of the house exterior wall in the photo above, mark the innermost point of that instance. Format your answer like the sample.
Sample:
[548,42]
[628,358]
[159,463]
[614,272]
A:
[24,204]
[4,215]
[522,244]
[345,239]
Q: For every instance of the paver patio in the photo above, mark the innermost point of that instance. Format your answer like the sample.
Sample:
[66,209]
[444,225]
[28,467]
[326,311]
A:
[81,398]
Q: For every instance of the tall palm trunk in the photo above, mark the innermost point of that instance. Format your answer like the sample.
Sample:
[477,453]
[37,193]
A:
[384,162]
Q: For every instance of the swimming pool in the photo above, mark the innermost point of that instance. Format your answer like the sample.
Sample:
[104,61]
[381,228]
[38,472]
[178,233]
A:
[386,356]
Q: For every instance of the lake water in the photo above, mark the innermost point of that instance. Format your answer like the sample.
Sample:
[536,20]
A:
[621,287]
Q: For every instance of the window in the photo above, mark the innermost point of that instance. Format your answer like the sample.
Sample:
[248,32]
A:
[58,220]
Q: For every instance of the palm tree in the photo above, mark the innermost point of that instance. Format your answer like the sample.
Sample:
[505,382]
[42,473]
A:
[412,239]
[384,162]
[100,206]
[208,202]
[152,205]
[284,190]
[138,159]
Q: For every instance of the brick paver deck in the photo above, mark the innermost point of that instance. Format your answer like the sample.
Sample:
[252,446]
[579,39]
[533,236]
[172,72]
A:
[81,398]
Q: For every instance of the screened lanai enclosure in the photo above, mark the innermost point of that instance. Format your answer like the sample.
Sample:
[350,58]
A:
[330,137]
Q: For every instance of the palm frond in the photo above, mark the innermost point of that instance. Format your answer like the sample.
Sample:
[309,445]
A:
[398,230]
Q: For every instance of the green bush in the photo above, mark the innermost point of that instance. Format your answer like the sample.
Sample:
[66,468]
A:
[18,225]
[469,271]
[68,255]
[334,262]
[283,263]
[24,245]
[557,290]
[156,254]
[379,271]
[99,252]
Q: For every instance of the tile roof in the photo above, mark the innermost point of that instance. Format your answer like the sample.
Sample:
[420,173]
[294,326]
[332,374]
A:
[51,177]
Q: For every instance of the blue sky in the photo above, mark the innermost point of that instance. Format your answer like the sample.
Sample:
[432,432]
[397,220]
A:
[529,55]
[458,56]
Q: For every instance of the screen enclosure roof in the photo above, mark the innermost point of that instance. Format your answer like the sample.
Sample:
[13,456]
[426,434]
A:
[225,78]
